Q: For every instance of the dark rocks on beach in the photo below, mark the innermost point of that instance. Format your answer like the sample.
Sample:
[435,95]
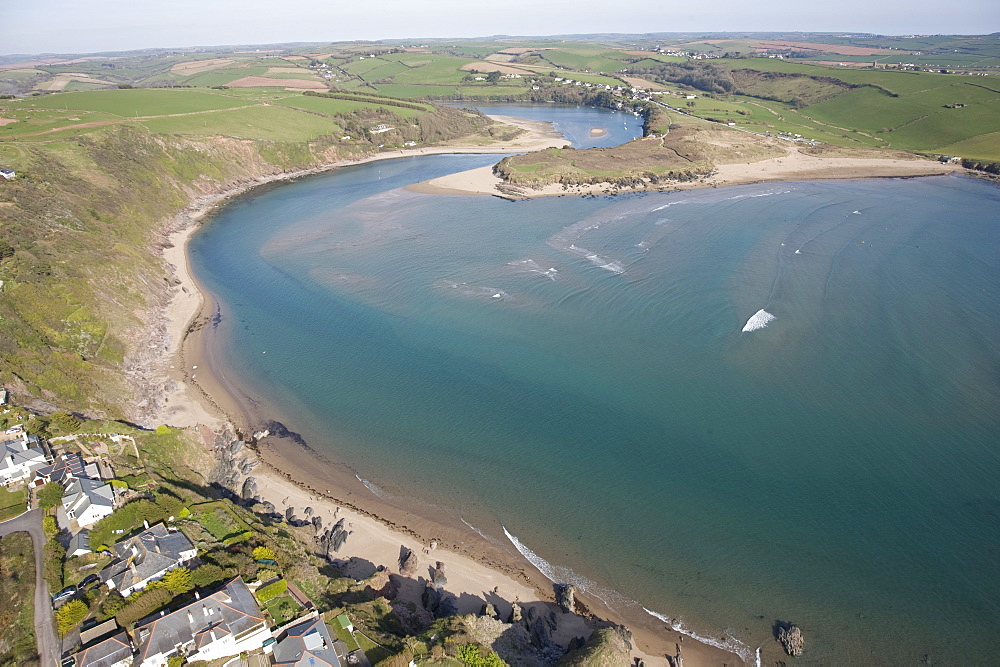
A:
[515,614]
[332,540]
[438,602]
[317,522]
[308,511]
[408,562]
[790,637]
[565,597]
[675,660]
[250,489]
[289,514]
[437,576]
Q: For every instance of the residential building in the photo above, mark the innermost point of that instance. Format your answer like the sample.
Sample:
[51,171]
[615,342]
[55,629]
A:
[220,625]
[114,651]
[7,173]
[22,456]
[145,558]
[79,544]
[307,644]
[87,500]
[61,470]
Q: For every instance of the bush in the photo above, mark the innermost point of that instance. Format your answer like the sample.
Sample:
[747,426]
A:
[54,554]
[143,605]
[264,553]
[71,615]
[64,422]
[471,655]
[50,527]
[113,604]
[206,575]
[50,495]
[178,580]
[272,591]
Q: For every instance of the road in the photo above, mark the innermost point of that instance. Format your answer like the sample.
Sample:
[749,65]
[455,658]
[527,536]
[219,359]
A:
[45,627]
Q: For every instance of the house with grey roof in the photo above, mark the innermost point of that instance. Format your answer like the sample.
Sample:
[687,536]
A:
[20,457]
[114,651]
[146,557]
[225,623]
[79,544]
[88,500]
[60,470]
[307,644]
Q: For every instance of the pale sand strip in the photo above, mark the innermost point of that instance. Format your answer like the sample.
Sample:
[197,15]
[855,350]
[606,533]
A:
[795,166]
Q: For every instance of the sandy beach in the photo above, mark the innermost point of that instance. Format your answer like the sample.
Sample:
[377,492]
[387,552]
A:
[795,166]
[197,392]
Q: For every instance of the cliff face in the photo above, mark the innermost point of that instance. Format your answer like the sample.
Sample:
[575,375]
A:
[82,228]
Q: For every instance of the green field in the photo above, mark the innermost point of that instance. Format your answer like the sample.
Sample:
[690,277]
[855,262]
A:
[275,123]
[586,60]
[410,91]
[334,106]
[134,102]
[221,77]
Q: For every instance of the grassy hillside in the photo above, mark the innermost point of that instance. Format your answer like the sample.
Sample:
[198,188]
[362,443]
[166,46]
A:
[81,224]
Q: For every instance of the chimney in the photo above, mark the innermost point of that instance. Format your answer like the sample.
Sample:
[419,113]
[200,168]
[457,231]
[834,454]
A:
[190,617]
[145,523]
[197,596]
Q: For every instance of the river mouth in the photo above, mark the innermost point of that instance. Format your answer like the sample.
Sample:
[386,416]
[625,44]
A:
[583,374]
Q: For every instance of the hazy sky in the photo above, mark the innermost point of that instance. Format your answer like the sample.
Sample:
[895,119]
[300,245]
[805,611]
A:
[62,26]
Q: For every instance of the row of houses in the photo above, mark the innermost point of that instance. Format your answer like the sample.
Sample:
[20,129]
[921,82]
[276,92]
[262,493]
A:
[229,622]
[87,498]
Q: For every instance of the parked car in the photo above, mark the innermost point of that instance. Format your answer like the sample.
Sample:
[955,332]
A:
[64,594]
[87,581]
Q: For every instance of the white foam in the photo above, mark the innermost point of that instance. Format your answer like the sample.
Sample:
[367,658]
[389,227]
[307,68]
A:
[479,532]
[730,643]
[564,575]
[759,320]
[374,488]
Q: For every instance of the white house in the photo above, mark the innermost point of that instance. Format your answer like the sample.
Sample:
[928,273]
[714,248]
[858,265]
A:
[220,625]
[22,456]
[88,500]
[7,173]
[145,558]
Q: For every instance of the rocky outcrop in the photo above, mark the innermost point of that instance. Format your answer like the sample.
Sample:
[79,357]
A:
[675,660]
[438,580]
[606,647]
[250,489]
[790,638]
[439,602]
[330,542]
[566,597]
[408,562]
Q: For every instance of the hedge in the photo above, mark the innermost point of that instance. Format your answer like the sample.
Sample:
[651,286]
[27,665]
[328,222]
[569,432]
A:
[272,591]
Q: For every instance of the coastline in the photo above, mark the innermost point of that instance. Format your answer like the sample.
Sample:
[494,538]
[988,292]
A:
[795,166]
[197,394]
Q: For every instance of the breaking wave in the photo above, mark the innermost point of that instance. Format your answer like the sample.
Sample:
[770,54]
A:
[374,488]
[597,260]
[564,575]
[759,320]
[731,644]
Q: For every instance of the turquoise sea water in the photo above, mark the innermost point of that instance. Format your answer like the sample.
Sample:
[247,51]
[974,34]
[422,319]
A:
[575,371]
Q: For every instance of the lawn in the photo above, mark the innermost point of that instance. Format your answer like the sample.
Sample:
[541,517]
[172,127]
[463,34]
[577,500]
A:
[17,608]
[151,102]
[282,609]
[218,520]
[983,147]
[276,123]
[586,60]
[12,503]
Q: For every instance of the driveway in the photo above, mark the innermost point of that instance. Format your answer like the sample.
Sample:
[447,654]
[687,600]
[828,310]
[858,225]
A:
[45,628]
